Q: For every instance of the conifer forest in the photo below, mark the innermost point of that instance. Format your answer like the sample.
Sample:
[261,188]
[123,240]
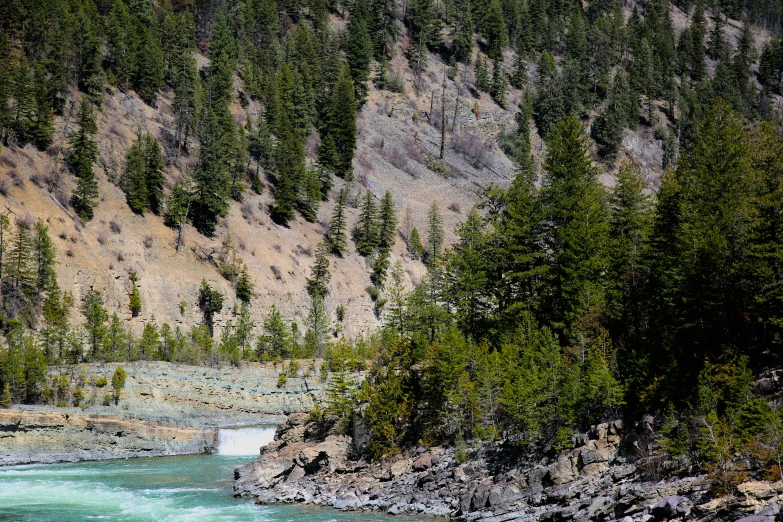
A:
[578,293]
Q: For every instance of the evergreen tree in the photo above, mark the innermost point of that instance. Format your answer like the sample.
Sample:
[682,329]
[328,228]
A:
[135,301]
[290,165]
[148,77]
[493,29]
[717,49]
[81,156]
[499,85]
[44,257]
[359,50]
[21,266]
[319,274]
[628,230]
[89,71]
[95,317]
[387,230]
[210,302]
[463,33]
[276,339]
[143,177]
[482,76]
[340,133]
[435,236]
[244,286]
[335,237]
[365,234]
[187,94]
[211,179]
[576,217]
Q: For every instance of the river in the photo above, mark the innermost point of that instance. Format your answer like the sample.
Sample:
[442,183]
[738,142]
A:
[186,488]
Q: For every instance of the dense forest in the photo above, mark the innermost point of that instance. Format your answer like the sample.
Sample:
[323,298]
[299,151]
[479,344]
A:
[561,304]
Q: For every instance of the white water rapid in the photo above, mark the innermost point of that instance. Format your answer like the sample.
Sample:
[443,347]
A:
[244,441]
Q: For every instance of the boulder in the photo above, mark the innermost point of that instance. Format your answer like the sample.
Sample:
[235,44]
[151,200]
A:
[561,471]
[671,507]
[399,467]
[422,463]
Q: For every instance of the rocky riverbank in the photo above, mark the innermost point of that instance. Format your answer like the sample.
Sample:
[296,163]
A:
[596,481]
[164,409]
[28,437]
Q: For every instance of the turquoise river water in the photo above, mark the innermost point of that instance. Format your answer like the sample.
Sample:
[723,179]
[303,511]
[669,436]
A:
[188,488]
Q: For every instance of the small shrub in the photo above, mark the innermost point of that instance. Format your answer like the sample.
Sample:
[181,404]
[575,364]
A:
[278,249]
[436,166]
[120,257]
[302,251]
[455,207]
[62,235]
[101,237]
[373,292]
[282,379]
[39,180]
[69,252]
[472,147]
[396,157]
[276,271]
[340,313]
[316,413]
[18,182]
[25,221]
[102,382]
[4,186]
[115,227]
[395,82]
[148,241]
[182,307]
[107,400]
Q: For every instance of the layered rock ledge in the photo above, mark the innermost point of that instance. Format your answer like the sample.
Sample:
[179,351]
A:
[28,437]
[593,482]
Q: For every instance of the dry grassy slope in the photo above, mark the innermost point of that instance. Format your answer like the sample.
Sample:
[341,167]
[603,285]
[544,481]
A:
[92,255]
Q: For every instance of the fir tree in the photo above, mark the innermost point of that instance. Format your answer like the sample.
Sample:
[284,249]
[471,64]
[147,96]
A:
[187,93]
[493,28]
[95,317]
[244,286]
[211,179]
[359,50]
[45,257]
[366,232]
[482,76]
[276,339]
[135,301]
[577,225]
[319,274]
[210,302]
[143,177]
[387,230]
[499,85]
[340,141]
[434,235]
[81,156]
[335,237]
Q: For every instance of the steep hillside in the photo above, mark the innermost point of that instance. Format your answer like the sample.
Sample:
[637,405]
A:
[394,140]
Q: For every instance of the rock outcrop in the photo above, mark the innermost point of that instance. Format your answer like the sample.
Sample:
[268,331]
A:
[592,482]
[28,437]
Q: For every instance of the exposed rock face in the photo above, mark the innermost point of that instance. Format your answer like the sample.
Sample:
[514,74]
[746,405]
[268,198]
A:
[45,437]
[197,395]
[165,409]
[593,482]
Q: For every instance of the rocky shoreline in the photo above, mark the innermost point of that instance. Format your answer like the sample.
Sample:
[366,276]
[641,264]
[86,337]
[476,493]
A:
[164,409]
[28,437]
[596,481]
